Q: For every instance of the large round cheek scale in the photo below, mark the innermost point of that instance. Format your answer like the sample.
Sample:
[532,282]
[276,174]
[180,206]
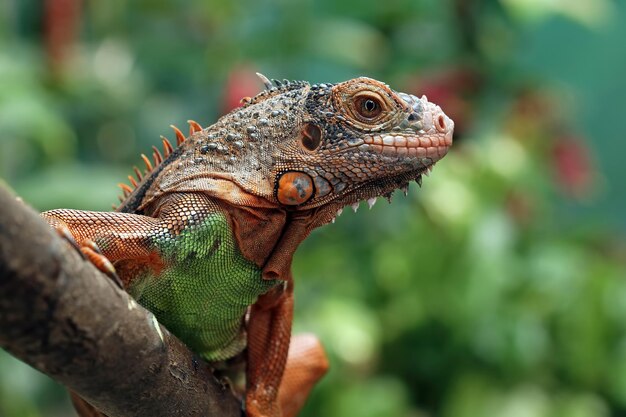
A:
[294,188]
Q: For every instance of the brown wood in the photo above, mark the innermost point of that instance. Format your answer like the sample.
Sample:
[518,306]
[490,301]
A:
[62,316]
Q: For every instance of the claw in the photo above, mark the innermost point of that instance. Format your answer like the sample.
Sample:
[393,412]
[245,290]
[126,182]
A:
[355,206]
[405,189]
[65,233]
[194,127]
[90,252]
[101,262]
[418,180]
[371,202]
[339,212]
[180,138]
[93,246]
[132,181]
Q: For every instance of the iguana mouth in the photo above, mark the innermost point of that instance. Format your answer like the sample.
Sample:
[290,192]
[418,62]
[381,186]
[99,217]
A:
[404,145]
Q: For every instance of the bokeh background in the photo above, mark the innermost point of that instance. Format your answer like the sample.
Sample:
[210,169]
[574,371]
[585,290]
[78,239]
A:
[498,289]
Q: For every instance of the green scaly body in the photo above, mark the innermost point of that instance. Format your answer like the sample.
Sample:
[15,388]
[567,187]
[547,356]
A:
[205,289]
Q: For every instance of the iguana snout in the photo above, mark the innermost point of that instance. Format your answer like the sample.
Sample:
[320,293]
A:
[425,134]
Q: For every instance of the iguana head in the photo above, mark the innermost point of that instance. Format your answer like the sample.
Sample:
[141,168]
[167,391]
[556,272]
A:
[357,140]
[300,147]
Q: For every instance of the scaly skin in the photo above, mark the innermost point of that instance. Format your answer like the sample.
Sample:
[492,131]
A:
[206,238]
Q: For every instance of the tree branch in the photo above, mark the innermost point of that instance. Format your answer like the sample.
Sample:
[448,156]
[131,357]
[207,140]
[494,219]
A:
[62,316]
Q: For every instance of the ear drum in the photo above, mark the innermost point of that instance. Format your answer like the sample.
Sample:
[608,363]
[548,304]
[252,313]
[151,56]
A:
[311,137]
[294,188]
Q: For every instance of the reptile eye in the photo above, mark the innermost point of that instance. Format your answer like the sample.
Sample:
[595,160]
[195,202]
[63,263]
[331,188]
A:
[311,137]
[368,107]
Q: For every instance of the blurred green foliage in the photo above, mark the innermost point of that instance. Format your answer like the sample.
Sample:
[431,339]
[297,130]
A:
[497,290]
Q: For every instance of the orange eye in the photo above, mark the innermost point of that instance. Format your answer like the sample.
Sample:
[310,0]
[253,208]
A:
[368,107]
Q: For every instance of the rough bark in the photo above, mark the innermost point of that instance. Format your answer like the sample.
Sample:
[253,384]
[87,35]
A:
[62,316]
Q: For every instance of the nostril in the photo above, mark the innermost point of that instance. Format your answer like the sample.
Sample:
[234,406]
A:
[412,117]
[441,123]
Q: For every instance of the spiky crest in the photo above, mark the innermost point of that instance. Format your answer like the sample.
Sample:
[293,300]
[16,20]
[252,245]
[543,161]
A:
[273,88]
[157,157]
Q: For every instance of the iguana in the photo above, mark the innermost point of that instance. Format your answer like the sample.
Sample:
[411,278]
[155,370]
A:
[204,238]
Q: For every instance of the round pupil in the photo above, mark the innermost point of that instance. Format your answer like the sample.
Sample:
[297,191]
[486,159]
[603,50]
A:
[370,105]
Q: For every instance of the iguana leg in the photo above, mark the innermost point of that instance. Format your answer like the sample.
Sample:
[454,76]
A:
[306,364]
[269,332]
[114,236]
[117,235]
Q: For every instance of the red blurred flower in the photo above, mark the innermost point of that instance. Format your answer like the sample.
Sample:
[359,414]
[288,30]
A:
[242,82]
[573,168]
[61,21]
